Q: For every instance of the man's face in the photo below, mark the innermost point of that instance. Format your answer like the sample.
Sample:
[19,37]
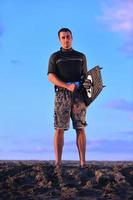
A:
[66,40]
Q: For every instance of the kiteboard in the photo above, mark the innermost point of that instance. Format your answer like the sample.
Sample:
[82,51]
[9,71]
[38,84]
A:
[92,85]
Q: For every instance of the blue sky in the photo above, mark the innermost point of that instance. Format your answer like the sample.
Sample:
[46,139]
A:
[103,30]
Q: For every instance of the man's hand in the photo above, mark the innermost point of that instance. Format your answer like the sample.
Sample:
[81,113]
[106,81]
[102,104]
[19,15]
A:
[53,78]
[71,87]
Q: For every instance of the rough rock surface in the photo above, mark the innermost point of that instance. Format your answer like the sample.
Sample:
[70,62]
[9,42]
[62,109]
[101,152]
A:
[41,180]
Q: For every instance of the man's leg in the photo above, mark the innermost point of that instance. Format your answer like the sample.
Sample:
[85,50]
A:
[81,144]
[58,145]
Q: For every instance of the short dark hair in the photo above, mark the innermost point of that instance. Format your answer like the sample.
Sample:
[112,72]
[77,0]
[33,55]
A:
[64,30]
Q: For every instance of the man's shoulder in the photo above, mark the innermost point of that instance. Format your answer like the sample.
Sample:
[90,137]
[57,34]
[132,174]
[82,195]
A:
[54,54]
[78,53]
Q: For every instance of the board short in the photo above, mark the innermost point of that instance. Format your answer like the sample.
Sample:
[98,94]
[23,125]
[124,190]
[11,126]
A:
[69,105]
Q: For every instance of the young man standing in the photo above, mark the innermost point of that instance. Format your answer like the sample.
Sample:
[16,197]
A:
[65,69]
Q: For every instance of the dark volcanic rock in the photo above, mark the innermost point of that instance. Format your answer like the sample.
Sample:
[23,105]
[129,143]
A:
[41,180]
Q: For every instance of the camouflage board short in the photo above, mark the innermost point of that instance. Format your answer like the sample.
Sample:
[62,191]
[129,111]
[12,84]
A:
[69,105]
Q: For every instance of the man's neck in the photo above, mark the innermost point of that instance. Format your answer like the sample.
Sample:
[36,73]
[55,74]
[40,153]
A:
[66,50]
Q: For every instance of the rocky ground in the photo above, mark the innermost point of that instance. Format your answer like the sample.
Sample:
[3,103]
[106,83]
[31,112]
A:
[41,180]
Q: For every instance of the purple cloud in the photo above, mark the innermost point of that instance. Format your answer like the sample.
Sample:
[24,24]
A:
[128,47]
[104,146]
[111,146]
[120,104]
[117,16]
[129,133]
[36,150]
[131,117]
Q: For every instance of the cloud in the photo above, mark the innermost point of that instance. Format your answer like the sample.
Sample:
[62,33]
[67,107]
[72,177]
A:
[26,146]
[131,117]
[104,146]
[110,146]
[35,150]
[15,61]
[117,16]
[127,47]
[120,104]
[128,133]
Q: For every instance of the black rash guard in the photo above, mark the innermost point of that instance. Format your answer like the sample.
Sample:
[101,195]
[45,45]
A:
[68,65]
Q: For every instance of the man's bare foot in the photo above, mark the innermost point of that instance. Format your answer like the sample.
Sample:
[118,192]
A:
[58,164]
[82,164]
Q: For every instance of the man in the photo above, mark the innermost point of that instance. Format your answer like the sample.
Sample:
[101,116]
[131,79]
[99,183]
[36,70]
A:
[65,69]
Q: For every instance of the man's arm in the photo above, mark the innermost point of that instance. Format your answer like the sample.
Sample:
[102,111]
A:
[53,79]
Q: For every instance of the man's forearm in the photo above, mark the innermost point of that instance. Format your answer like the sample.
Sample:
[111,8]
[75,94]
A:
[53,79]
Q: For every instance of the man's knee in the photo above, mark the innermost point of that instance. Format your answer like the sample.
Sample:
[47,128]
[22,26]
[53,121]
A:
[59,131]
[80,131]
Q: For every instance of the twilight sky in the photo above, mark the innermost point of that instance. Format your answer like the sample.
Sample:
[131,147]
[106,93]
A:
[103,30]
